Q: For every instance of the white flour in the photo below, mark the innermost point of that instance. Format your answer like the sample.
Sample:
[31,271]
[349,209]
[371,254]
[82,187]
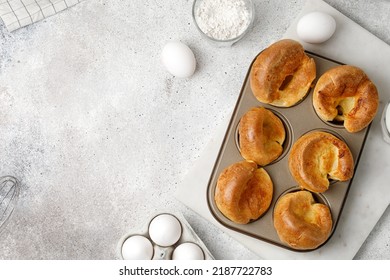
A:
[222,19]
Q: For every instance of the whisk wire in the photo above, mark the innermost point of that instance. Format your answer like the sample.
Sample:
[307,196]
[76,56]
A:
[9,192]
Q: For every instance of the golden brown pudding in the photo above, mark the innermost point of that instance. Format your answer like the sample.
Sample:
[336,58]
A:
[317,157]
[261,135]
[282,74]
[346,94]
[244,192]
[300,222]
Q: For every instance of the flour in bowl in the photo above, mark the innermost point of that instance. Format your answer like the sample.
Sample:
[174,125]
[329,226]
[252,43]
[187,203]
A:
[223,19]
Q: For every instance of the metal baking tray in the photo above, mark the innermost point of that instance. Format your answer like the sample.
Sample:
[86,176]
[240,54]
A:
[298,120]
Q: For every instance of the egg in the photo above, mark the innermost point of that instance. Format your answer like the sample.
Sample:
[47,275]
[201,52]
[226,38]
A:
[137,247]
[188,251]
[165,230]
[316,27]
[178,59]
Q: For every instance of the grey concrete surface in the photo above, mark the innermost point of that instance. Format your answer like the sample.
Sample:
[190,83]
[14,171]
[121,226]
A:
[100,135]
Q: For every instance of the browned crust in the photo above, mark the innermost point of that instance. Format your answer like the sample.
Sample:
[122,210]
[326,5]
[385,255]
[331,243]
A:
[244,192]
[317,157]
[300,222]
[261,135]
[282,61]
[348,89]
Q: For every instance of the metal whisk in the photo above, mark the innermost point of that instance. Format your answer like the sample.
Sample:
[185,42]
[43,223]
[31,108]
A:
[9,192]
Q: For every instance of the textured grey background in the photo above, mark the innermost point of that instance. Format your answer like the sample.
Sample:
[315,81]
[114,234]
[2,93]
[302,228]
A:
[100,135]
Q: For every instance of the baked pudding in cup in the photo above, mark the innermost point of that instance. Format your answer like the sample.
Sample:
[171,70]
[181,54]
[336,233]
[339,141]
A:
[261,136]
[243,192]
[318,156]
[345,94]
[282,74]
[301,222]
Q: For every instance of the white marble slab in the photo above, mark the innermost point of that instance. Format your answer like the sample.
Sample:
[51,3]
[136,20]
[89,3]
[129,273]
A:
[369,195]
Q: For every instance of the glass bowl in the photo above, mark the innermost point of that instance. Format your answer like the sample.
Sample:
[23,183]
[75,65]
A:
[385,123]
[216,27]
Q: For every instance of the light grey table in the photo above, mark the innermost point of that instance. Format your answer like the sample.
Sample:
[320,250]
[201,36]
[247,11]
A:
[100,135]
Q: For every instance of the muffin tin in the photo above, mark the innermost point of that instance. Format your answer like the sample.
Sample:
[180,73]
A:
[188,235]
[298,120]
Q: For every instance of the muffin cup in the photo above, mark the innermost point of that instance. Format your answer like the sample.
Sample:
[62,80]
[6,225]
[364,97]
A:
[286,143]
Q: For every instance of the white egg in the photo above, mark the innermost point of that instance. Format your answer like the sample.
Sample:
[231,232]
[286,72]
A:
[137,247]
[165,230]
[188,251]
[178,59]
[316,27]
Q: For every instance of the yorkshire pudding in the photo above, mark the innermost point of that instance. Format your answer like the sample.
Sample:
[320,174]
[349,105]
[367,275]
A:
[261,135]
[300,222]
[244,192]
[345,93]
[317,157]
[282,74]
